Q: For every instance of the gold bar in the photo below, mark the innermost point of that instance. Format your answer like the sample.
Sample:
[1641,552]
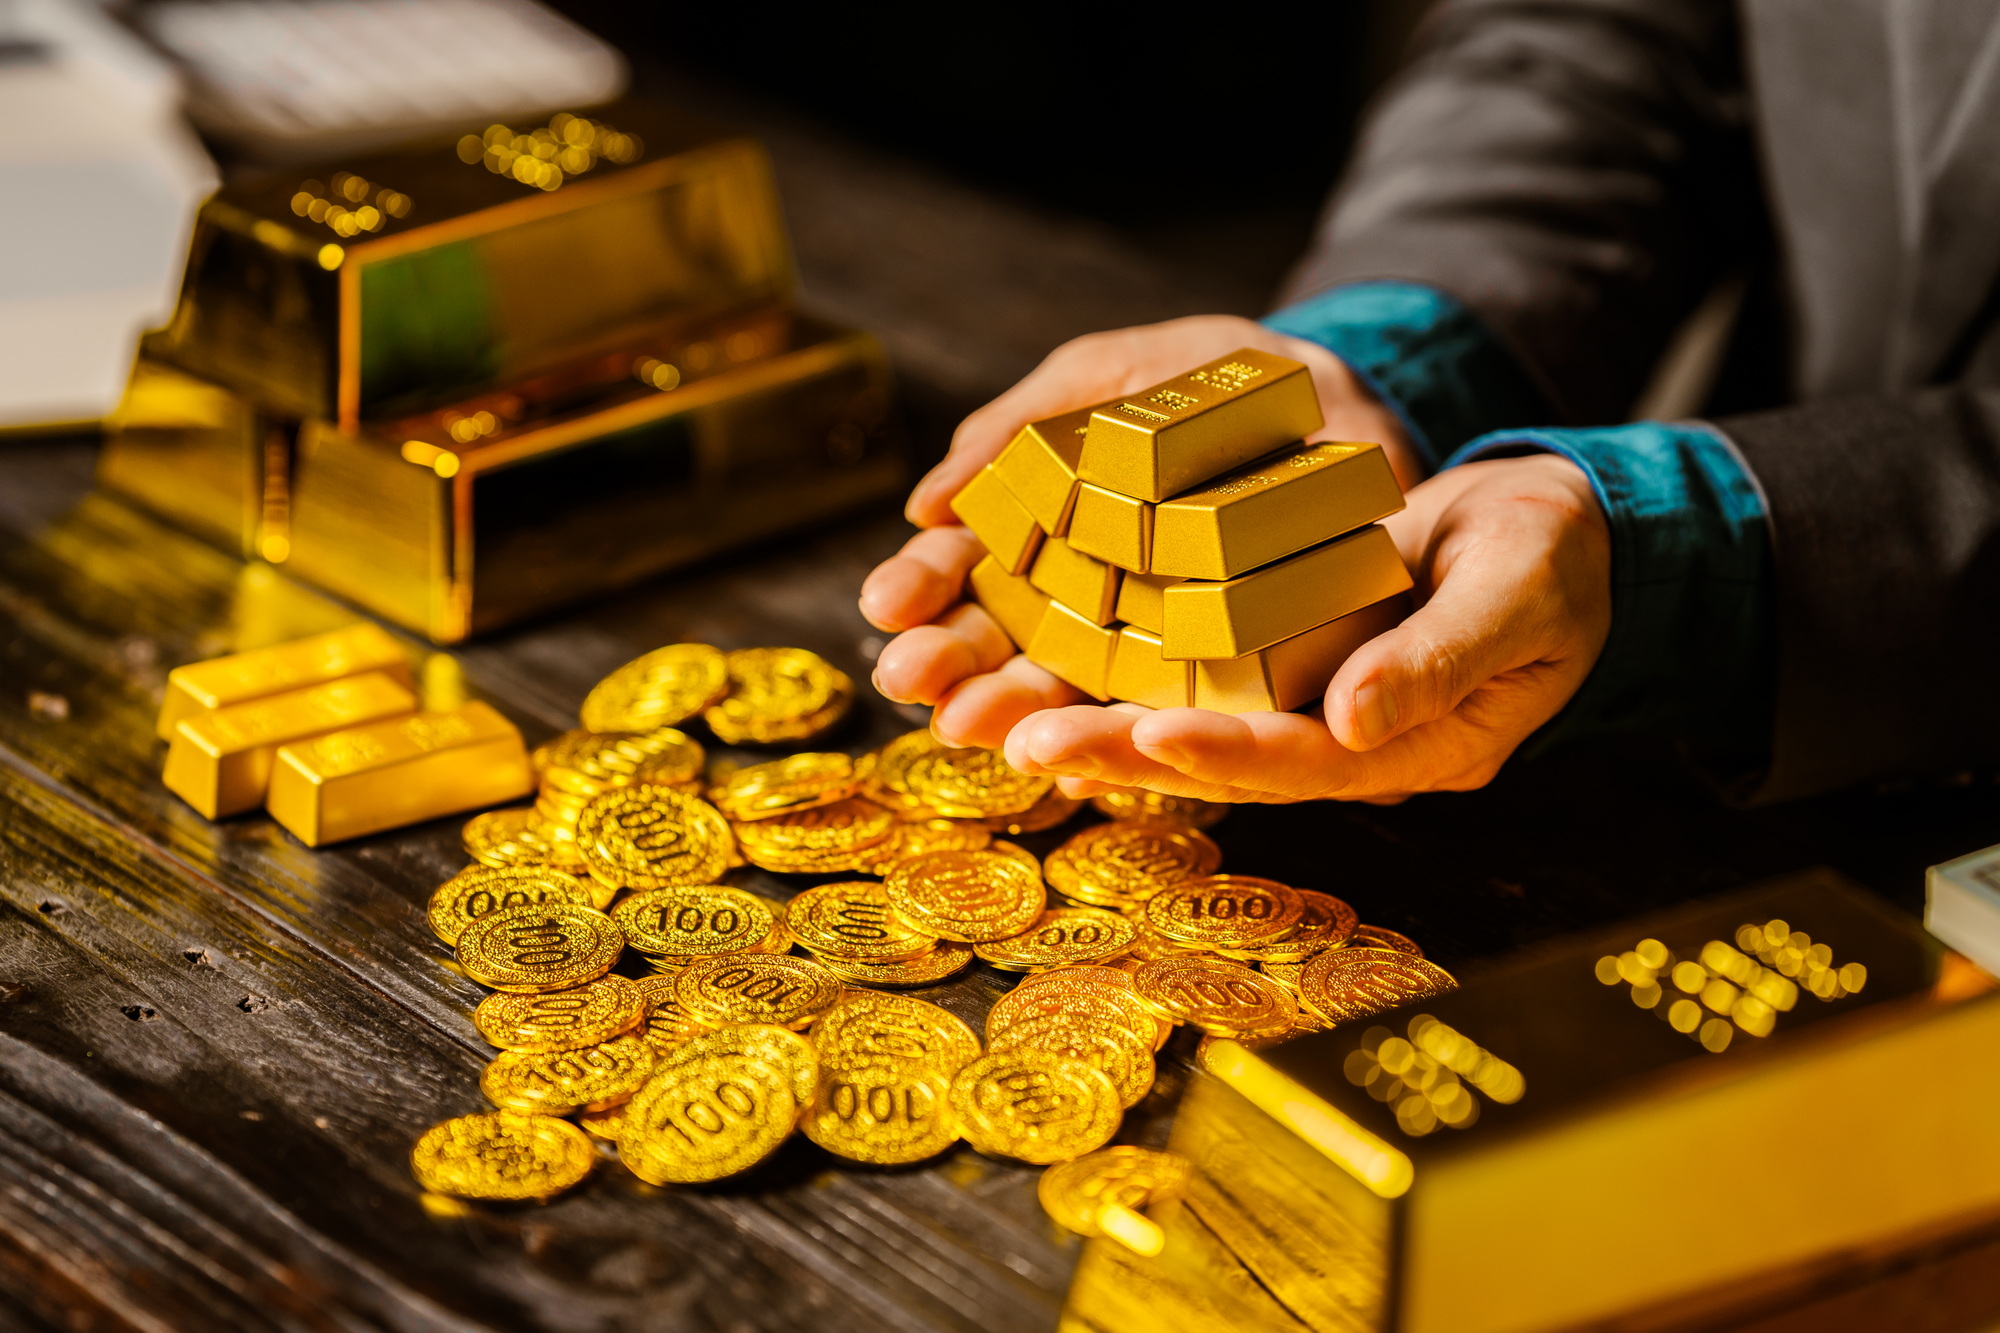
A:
[1003,524]
[220,762]
[1271,604]
[1279,504]
[1085,585]
[1178,434]
[1039,467]
[1016,605]
[1140,675]
[1074,649]
[402,771]
[194,453]
[1142,600]
[1112,527]
[220,682]
[1295,671]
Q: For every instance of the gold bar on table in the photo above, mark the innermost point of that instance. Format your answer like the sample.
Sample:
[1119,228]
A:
[1279,504]
[1140,675]
[1178,434]
[470,518]
[1039,466]
[1015,604]
[1142,600]
[1294,671]
[396,282]
[1268,605]
[1082,583]
[220,762]
[1002,523]
[1112,527]
[1609,1131]
[1075,649]
[240,678]
[401,771]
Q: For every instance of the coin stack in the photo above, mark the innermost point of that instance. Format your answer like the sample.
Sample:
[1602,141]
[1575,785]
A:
[1181,547]
[736,1018]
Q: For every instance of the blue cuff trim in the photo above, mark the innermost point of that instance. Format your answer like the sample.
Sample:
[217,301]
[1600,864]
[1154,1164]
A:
[1691,596]
[1431,360]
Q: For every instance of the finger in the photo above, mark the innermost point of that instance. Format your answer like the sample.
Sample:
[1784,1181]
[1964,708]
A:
[983,709]
[916,585]
[1282,754]
[919,666]
[1095,744]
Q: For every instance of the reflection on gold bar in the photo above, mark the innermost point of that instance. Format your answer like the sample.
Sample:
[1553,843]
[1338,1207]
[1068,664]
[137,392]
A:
[1277,505]
[1267,605]
[1074,649]
[1016,605]
[195,454]
[1112,527]
[1140,675]
[1039,466]
[203,687]
[404,771]
[220,762]
[1162,440]
[1142,600]
[1003,525]
[1295,671]
[1086,586]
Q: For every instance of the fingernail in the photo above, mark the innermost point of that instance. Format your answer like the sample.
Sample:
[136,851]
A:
[875,679]
[1374,712]
[1074,768]
[1170,755]
[922,490]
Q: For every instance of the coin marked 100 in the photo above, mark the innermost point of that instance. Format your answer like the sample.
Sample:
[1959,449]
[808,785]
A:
[1224,911]
[503,1156]
[563,1020]
[479,891]
[561,1082]
[692,921]
[757,988]
[1063,937]
[549,946]
[1222,998]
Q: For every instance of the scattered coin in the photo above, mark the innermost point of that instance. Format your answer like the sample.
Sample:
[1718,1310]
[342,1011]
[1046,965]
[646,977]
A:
[477,892]
[502,1156]
[653,838]
[966,896]
[563,1020]
[885,1114]
[1075,1193]
[866,1028]
[695,921]
[1151,805]
[1224,911]
[777,989]
[1349,983]
[854,922]
[1063,937]
[797,782]
[661,689]
[1376,937]
[1221,998]
[559,1082]
[779,694]
[545,947]
[1123,864]
[1034,1106]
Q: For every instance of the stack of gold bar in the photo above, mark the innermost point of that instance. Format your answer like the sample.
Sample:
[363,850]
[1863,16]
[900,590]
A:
[1180,547]
[463,385]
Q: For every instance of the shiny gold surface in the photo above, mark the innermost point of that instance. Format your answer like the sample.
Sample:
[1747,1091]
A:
[1279,504]
[1140,675]
[220,762]
[1269,605]
[1142,600]
[1075,649]
[1039,467]
[1112,527]
[219,682]
[1292,672]
[1083,584]
[194,453]
[397,772]
[1015,604]
[1162,440]
[1002,523]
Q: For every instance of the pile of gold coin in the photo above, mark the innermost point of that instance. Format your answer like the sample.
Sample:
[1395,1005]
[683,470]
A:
[735,1020]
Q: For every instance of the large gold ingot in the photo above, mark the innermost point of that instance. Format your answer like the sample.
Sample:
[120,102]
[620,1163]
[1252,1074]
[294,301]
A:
[1082,583]
[1016,605]
[1039,467]
[197,454]
[1075,649]
[1142,600]
[1269,605]
[1279,504]
[1294,671]
[1140,675]
[1115,528]
[1002,523]
[241,678]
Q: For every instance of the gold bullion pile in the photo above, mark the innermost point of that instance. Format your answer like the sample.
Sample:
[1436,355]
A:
[758,1019]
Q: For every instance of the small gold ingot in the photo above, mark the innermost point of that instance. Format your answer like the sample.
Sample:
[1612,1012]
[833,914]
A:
[1294,671]
[1113,527]
[1075,649]
[403,771]
[1162,440]
[220,762]
[203,687]
[1142,600]
[1015,604]
[1004,527]
[1039,467]
[1140,675]
[1279,504]
[1269,605]
[1082,583]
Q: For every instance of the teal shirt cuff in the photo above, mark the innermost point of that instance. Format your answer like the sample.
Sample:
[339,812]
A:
[1690,648]
[1428,358]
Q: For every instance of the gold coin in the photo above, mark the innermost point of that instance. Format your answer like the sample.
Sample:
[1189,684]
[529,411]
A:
[779,694]
[559,1082]
[1151,944]
[1063,937]
[672,759]
[854,922]
[972,784]
[1151,805]
[1287,975]
[1349,983]
[940,964]
[1121,864]
[705,1119]
[477,892]
[661,689]
[1075,1193]
[604,1124]
[1376,937]
[1205,1049]
[915,837]
[502,1156]
[694,921]
[867,1028]
[1018,852]
[664,1024]
[788,1050]
[885,1114]
[1034,1106]
[816,840]
[1052,809]
[563,1020]
[550,946]
[1224,911]
[1324,923]
[798,782]
[506,838]
[1222,998]
[653,838]
[966,896]
[1124,1058]
[1080,998]
[770,988]
[590,763]
[886,780]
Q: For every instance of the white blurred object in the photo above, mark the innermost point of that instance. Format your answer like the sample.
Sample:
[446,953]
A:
[102,183]
[1962,906]
[291,79]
